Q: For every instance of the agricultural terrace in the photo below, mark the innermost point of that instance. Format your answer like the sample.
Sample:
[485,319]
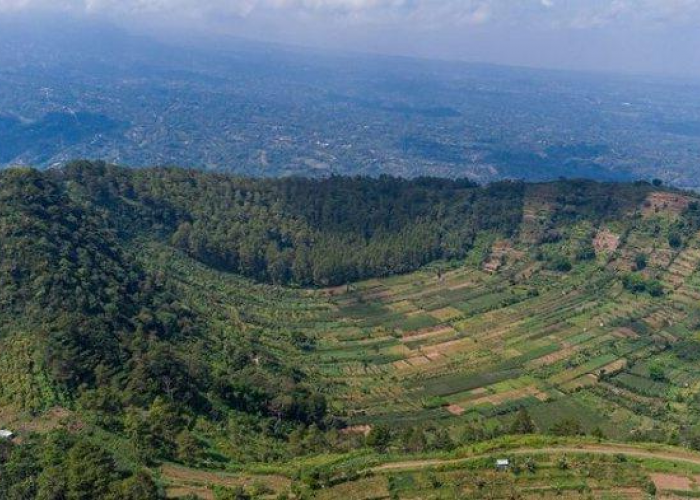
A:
[505,330]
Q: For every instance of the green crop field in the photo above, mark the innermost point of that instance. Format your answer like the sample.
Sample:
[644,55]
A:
[462,345]
[581,335]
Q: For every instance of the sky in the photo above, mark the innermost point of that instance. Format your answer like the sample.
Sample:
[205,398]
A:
[638,36]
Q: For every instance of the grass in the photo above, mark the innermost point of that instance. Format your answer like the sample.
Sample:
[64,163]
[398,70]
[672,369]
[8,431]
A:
[540,466]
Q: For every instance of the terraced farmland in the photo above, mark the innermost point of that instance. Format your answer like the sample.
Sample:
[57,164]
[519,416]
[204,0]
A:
[456,344]
[470,343]
[162,320]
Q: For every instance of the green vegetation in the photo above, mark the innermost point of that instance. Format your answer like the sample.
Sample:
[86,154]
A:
[137,338]
[300,231]
[63,465]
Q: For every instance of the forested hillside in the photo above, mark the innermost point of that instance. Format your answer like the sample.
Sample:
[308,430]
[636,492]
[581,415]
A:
[320,232]
[300,231]
[145,321]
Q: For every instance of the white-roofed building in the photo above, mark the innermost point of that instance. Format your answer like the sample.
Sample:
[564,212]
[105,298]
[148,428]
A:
[502,464]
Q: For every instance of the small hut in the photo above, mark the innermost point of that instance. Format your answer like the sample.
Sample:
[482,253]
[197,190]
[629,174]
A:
[502,464]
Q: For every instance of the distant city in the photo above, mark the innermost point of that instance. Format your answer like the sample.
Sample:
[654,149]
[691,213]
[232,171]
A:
[263,110]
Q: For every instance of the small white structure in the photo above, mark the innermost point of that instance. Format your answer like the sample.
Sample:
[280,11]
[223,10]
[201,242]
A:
[502,464]
[5,434]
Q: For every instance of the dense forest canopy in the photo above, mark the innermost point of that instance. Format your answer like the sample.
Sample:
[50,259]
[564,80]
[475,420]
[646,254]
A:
[301,231]
[314,232]
[70,275]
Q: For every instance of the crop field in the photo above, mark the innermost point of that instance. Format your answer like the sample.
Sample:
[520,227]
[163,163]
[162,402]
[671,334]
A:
[459,343]
[456,343]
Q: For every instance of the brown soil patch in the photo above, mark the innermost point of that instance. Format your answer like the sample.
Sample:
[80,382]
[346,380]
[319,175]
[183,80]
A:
[501,252]
[450,347]
[433,356]
[671,482]
[615,366]
[455,410]
[577,383]
[606,241]
[492,265]
[667,203]
[357,429]
[550,359]
[401,365]
[496,399]
[427,333]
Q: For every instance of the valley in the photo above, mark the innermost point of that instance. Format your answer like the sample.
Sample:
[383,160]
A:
[460,343]
[560,333]
[349,250]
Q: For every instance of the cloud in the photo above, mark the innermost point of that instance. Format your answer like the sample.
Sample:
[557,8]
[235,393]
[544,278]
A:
[187,6]
[421,14]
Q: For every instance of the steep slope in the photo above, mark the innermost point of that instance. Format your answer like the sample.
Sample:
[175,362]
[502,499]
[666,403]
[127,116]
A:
[83,317]
[296,231]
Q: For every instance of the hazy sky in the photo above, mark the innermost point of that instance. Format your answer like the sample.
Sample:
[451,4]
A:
[655,36]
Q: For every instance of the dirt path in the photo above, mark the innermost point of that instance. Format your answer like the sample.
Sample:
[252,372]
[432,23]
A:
[630,451]
[183,481]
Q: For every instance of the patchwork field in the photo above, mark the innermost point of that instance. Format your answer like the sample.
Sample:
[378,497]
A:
[458,344]
[470,343]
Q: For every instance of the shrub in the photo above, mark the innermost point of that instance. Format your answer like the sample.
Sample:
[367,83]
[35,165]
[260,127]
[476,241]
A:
[560,263]
[640,261]
[674,240]
[567,427]
[657,372]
